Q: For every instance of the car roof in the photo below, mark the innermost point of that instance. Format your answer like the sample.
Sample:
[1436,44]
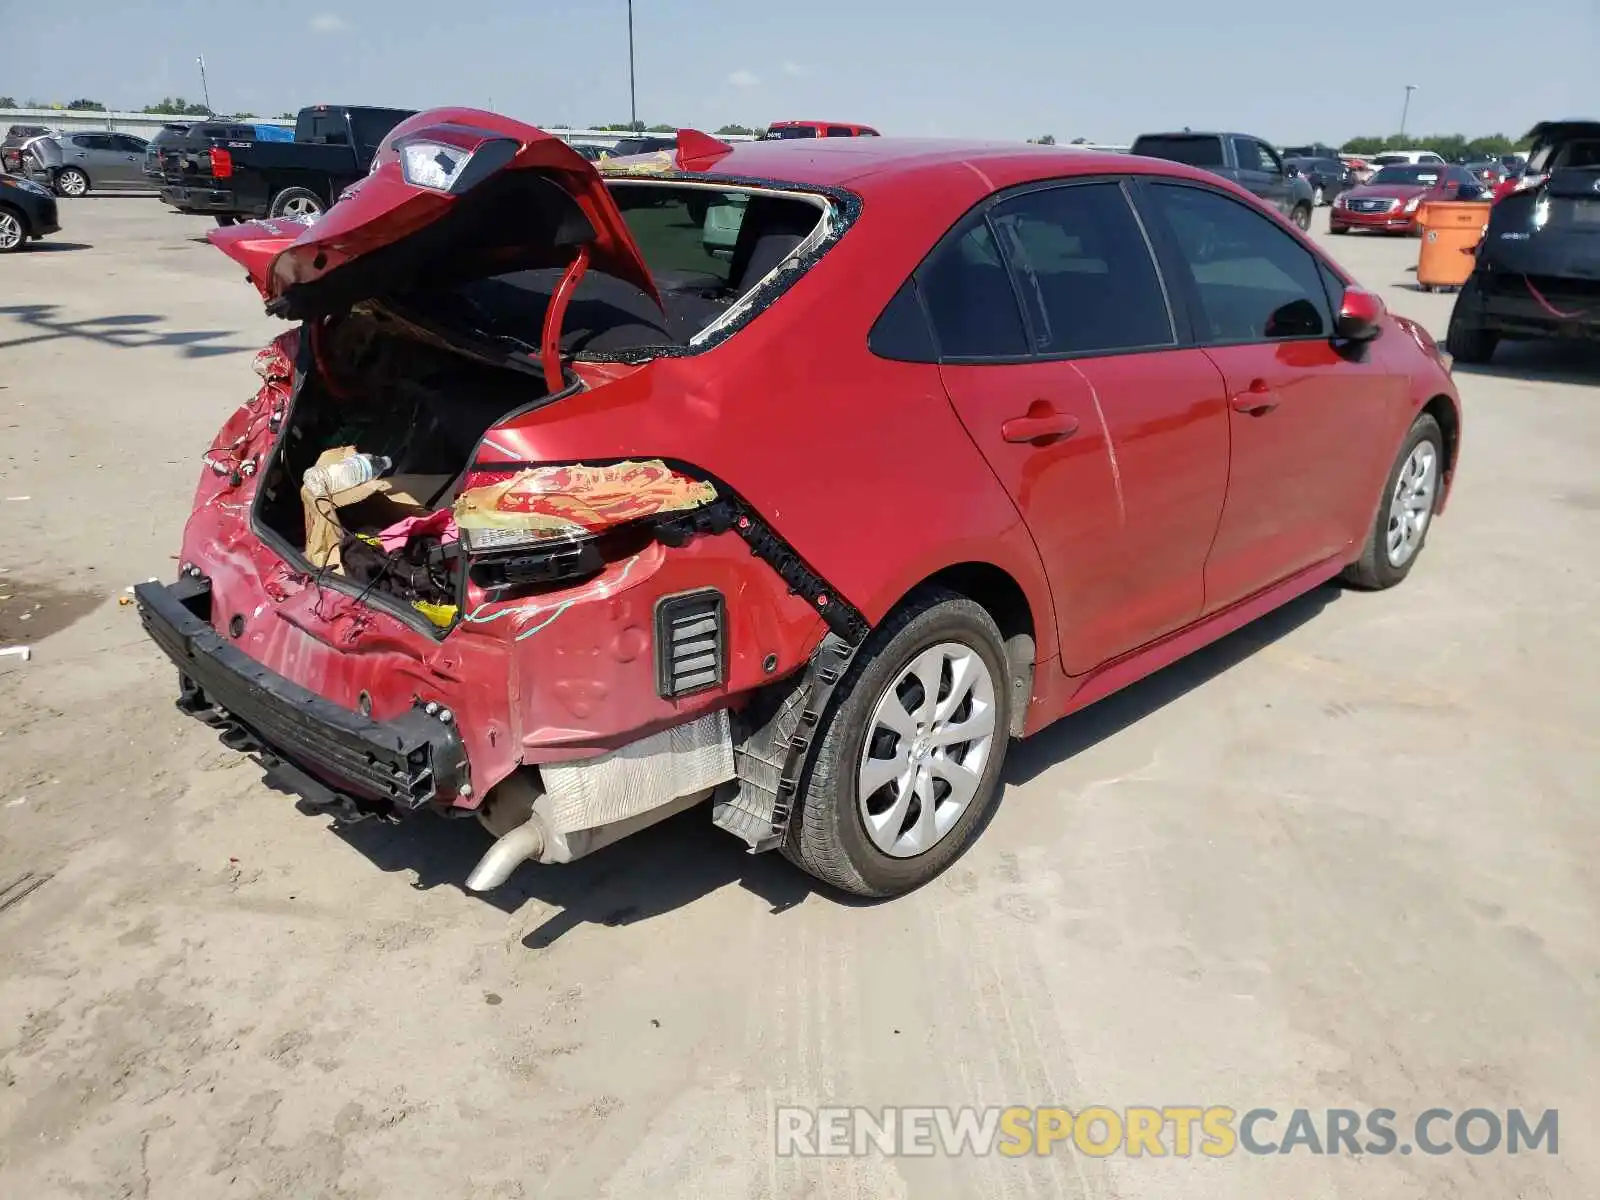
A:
[855,162]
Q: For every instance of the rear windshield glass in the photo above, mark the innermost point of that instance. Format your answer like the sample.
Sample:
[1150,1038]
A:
[1419,175]
[1193,151]
[785,132]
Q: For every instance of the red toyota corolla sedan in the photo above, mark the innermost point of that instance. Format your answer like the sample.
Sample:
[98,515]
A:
[1391,201]
[799,478]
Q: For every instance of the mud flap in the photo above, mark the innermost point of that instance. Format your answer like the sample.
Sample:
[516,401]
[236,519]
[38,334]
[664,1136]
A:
[771,759]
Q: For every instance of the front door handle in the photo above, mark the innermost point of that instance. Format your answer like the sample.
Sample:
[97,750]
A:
[1257,400]
[1041,426]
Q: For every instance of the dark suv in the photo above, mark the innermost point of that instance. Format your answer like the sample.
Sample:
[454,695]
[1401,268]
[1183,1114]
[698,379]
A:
[1538,268]
[1247,160]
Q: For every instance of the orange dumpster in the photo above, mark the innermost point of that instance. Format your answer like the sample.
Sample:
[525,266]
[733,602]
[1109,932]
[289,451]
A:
[1451,231]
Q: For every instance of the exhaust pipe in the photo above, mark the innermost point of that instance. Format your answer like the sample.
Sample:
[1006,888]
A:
[509,852]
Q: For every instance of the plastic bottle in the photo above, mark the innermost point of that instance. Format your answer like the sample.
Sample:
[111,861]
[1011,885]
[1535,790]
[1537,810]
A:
[345,474]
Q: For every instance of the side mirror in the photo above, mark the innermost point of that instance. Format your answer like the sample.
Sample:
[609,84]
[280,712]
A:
[1360,316]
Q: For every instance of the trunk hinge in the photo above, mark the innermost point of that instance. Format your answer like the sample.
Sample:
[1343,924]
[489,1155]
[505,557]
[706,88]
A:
[555,316]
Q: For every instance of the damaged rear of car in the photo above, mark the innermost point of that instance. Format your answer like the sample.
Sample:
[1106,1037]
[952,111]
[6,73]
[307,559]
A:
[1538,268]
[528,609]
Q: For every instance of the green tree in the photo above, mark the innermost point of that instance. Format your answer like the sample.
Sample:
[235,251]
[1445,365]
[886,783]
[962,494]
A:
[86,106]
[245,116]
[1048,139]
[622,127]
[736,129]
[661,129]
[178,107]
[9,102]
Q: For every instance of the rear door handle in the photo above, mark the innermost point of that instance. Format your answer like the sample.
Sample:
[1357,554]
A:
[1042,425]
[1256,401]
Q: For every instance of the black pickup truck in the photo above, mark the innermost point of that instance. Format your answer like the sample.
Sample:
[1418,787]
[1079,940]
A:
[1248,161]
[243,178]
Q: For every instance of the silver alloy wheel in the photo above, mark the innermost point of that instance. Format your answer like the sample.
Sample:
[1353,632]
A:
[10,231]
[925,751]
[302,206]
[72,182]
[1411,506]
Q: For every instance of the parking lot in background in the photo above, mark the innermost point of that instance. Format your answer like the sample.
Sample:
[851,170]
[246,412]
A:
[1344,858]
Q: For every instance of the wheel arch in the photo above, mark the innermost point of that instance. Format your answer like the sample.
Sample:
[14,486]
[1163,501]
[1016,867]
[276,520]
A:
[1445,411]
[1003,597]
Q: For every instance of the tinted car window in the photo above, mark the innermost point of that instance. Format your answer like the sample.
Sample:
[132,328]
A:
[373,125]
[129,145]
[1083,270]
[839,131]
[969,297]
[91,141]
[1253,156]
[1253,281]
[1197,151]
[901,331]
[1411,176]
[786,132]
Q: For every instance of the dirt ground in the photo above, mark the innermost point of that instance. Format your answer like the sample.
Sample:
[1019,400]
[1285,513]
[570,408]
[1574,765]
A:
[1344,858]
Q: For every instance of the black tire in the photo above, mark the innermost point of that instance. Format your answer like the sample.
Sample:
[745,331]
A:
[226,221]
[827,835]
[1301,216]
[1339,230]
[294,197]
[1467,341]
[72,182]
[1373,571]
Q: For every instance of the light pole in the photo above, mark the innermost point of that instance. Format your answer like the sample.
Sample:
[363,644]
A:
[1410,87]
[205,89]
[633,104]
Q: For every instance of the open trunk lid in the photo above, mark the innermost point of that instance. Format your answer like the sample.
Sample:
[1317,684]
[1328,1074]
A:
[453,194]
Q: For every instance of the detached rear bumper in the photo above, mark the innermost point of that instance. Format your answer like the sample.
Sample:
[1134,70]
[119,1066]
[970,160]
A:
[332,757]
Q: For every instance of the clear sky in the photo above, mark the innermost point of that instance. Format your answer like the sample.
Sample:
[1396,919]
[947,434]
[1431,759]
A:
[1286,70]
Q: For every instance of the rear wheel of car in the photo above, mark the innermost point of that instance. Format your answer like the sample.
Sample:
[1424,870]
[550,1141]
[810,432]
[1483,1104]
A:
[907,766]
[1301,216]
[72,182]
[1406,511]
[1340,230]
[13,233]
[297,202]
[226,221]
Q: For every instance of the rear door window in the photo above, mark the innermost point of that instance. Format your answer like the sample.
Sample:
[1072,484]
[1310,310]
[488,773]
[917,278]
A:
[92,141]
[840,131]
[969,298]
[1251,280]
[1084,271]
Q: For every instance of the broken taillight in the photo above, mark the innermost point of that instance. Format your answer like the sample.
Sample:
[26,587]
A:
[508,509]
[221,164]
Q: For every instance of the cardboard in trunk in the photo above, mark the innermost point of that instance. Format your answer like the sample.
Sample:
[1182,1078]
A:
[365,508]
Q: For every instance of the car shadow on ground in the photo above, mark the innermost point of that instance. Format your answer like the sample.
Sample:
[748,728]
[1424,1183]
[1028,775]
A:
[1540,361]
[1078,732]
[665,867]
[685,858]
[47,247]
[124,331]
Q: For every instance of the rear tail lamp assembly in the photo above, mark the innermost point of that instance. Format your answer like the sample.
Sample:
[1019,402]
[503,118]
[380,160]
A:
[221,164]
